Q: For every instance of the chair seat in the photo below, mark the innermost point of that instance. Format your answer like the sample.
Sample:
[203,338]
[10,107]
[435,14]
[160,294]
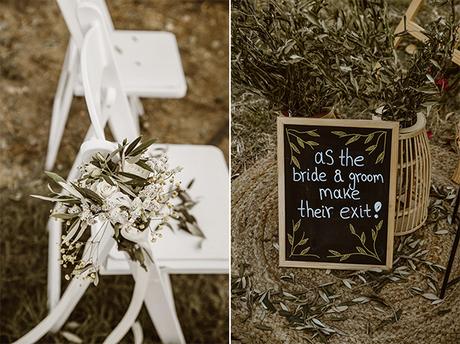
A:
[149,64]
[178,251]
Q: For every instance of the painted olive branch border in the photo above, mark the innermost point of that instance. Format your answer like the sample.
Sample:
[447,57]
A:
[372,140]
[302,242]
[294,134]
[362,250]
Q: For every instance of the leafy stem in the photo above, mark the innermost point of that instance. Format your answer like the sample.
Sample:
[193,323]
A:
[295,134]
[372,140]
[362,249]
[301,242]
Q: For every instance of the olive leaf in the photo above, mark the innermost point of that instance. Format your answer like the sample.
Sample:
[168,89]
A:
[370,149]
[369,138]
[305,251]
[295,161]
[339,133]
[294,148]
[300,142]
[380,157]
[352,139]
[352,229]
[363,238]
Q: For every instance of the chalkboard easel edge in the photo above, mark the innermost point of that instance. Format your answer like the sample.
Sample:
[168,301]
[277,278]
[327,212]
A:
[330,122]
[394,126]
[333,266]
[281,198]
[392,192]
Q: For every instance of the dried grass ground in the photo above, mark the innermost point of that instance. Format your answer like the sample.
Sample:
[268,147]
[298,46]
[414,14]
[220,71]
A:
[33,38]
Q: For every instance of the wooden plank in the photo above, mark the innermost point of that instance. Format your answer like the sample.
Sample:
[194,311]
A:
[416,31]
[408,17]
[407,24]
[456,57]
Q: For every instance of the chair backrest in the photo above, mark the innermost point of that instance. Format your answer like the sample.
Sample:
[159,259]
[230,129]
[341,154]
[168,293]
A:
[88,149]
[69,10]
[104,94]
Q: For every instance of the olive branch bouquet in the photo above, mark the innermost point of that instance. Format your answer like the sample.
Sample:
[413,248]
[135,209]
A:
[133,190]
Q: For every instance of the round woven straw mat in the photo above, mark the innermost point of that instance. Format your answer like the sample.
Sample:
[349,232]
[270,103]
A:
[254,241]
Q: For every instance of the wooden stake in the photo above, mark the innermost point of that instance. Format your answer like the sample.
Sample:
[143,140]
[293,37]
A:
[446,283]
[456,176]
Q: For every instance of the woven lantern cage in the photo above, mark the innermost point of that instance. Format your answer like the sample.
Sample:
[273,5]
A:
[413,178]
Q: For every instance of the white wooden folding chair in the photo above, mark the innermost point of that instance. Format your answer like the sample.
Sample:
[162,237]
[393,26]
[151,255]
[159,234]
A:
[149,63]
[157,299]
[176,252]
[101,79]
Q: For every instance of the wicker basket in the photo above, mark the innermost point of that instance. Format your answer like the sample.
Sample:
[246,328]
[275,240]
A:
[413,178]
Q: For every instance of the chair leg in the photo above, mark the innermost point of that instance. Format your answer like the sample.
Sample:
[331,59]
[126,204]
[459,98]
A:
[106,242]
[168,287]
[54,267]
[135,112]
[137,333]
[162,312]
[140,107]
[61,308]
[78,294]
[54,246]
[136,105]
[61,105]
[140,289]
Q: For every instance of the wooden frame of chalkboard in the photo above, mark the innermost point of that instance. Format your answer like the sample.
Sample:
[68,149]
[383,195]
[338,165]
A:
[369,232]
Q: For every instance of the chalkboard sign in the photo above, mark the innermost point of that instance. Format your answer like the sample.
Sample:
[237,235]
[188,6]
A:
[336,192]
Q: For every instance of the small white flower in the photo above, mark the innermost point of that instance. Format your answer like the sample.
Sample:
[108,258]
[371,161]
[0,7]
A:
[92,170]
[119,199]
[60,207]
[95,208]
[136,204]
[136,170]
[85,215]
[91,221]
[75,209]
[105,190]
[116,215]
[133,234]
[151,204]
